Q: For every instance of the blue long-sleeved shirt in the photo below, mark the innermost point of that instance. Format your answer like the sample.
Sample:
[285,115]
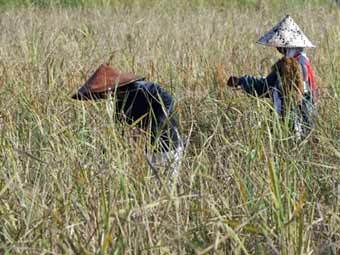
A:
[153,107]
[270,86]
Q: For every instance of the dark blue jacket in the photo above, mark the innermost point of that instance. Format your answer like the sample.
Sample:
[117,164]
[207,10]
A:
[270,86]
[153,108]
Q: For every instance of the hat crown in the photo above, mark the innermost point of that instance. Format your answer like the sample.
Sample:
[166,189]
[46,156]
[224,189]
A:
[286,34]
[104,80]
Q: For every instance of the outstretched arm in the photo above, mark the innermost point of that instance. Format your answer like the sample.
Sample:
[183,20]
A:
[253,85]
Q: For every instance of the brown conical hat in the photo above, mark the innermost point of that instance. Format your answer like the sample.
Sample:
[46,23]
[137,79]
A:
[105,79]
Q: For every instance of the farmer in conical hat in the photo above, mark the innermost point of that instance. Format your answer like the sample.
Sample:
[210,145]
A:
[293,74]
[143,102]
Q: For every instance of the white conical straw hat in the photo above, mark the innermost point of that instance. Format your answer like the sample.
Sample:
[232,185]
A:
[286,34]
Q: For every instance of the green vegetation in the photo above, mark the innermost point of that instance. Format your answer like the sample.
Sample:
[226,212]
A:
[73,181]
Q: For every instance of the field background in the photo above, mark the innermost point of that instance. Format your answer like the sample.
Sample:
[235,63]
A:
[73,182]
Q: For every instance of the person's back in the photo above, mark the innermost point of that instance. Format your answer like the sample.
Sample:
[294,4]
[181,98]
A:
[153,107]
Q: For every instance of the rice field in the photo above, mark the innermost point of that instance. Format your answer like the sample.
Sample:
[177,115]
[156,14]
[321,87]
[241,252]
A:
[73,180]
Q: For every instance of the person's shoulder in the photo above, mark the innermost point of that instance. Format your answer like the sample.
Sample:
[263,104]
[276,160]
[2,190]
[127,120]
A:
[303,59]
[144,84]
[286,63]
[150,86]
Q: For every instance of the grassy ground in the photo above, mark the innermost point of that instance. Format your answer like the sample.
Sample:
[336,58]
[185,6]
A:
[72,182]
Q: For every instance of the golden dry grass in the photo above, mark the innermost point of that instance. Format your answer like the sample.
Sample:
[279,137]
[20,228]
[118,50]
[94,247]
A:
[72,182]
